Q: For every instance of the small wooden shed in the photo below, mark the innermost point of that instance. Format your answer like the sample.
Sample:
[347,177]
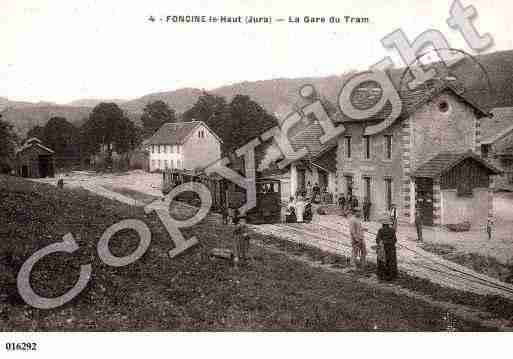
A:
[454,188]
[35,160]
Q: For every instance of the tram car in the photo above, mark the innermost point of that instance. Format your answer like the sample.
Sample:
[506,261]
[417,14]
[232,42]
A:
[173,177]
[269,207]
[225,194]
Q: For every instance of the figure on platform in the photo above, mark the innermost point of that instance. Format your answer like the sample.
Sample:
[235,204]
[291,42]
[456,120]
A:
[232,214]
[366,209]
[354,203]
[224,214]
[342,201]
[240,241]
[418,223]
[386,252]
[300,208]
[290,217]
[392,212]
[316,193]
[359,251]
[489,227]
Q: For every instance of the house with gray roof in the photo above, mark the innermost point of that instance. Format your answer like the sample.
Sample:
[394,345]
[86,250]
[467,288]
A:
[183,145]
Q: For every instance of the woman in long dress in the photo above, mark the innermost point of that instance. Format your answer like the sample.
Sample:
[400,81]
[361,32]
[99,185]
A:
[300,209]
[386,252]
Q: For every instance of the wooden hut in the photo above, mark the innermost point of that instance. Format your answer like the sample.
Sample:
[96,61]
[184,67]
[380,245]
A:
[454,188]
[35,160]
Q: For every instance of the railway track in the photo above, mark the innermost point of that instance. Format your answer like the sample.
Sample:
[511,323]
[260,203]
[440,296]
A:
[411,259]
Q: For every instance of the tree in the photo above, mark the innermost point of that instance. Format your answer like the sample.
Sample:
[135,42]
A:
[155,114]
[236,123]
[8,141]
[37,132]
[246,120]
[61,136]
[206,108]
[109,130]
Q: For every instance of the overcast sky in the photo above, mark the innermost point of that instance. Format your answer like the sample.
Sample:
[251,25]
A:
[65,50]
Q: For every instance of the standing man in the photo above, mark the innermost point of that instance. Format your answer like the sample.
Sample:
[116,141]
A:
[366,209]
[316,193]
[418,223]
[489,227]
[359,252]
[354,203]
[240,241]
[341,201]
[393,215]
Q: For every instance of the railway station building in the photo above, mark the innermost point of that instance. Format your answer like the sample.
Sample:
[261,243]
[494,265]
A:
[428,160]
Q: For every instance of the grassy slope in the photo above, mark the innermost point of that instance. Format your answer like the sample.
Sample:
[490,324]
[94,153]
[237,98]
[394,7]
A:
[190,292]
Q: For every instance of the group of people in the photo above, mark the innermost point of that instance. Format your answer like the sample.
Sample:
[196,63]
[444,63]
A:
[318,194]
[385,246]
[347,205]
[299,210]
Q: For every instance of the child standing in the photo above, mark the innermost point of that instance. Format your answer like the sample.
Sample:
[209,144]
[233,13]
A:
[240,241]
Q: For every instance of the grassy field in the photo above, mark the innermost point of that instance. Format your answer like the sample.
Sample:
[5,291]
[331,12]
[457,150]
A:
[190,292]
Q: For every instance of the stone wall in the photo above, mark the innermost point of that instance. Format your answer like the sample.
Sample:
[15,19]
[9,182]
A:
[430,131]
[434,131]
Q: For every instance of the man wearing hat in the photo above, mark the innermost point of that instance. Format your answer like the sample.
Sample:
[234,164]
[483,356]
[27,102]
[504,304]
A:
[359,252]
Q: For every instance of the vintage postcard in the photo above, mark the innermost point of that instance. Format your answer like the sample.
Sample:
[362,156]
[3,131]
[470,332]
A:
[255,166]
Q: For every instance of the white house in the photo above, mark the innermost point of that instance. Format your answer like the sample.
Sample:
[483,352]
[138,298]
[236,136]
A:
[183,145]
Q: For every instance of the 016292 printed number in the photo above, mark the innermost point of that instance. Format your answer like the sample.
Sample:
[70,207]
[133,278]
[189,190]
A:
[20,346]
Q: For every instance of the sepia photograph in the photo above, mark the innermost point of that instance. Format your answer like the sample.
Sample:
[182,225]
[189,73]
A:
[255,166]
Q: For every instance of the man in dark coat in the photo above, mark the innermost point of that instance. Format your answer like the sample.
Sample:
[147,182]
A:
[316,193]
[366,209]
[240,241]
[341,201]
[354,203]
[418,223]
